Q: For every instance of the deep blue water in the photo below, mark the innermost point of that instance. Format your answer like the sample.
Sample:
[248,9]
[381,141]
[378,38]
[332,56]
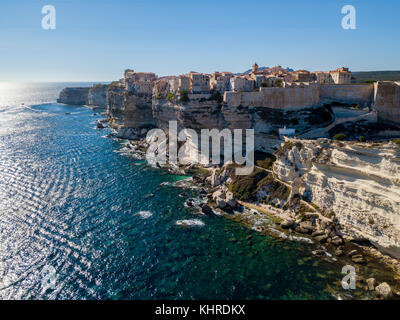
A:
[68,200]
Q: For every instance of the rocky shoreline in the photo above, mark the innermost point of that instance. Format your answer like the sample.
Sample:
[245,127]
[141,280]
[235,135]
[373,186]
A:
[322,233]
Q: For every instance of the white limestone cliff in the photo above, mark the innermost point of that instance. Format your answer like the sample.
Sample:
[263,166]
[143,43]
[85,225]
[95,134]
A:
[358,182]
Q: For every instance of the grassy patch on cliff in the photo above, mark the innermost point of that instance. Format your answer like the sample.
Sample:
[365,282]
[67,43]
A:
[321,115]
[184,96]
[244,187]
[264,160]
[274,188]
[340,137]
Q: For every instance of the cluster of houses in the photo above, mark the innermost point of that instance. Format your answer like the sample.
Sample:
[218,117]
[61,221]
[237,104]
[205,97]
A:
[202,83]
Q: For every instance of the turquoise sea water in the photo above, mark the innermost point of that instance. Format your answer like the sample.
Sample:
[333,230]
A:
[68,200]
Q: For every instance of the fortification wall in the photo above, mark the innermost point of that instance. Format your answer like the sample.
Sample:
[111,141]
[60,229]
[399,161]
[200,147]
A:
[276,98]
[347,93]
[387,100]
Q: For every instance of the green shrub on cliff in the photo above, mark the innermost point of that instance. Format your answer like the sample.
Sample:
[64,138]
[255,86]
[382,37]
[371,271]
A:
[397,141]
[170,96]
[244,187]
[361,139]
[217,96]
[183,96]
[320,115]
[267,162]
[339,137]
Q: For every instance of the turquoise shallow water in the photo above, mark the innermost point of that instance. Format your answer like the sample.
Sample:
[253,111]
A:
[69,201]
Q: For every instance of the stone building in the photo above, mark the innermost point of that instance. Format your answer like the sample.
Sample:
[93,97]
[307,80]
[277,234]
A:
[219,81]
[241,83]
[199,82]
[255,68]
[131,75]
[341,75]
[139,82]
[173,83]
[302,76]
[183,83]
[322,77]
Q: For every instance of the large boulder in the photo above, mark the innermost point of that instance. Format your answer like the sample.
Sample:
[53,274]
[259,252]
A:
[287,224]
[339,252]
[221,203]
[358,258]
[305,227]
[322,238]
[384,290]
[224,200]
[215,179]
[371,284]
[205,208]
[230,199]
[337,241]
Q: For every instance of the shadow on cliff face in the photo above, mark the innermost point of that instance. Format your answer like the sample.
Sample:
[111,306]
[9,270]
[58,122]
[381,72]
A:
[301,120]
[365,130]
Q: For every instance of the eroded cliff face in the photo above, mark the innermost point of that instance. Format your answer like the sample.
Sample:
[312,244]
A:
[210,114]
[128,113]
[97,96]
[357,182]
[74,96]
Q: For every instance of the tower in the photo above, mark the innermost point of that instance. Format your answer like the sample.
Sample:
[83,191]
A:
[255,67]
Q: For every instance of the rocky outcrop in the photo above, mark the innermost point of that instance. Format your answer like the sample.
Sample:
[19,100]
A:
[74,96]
[358,183]
[384,290]
[387,101]
[97,96]
[210,114]
[128,113]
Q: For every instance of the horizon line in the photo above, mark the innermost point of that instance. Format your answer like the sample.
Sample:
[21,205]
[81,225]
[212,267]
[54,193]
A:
[109,81]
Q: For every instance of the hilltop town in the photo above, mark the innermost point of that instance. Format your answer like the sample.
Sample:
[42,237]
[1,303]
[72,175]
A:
[301,100]
[203,83]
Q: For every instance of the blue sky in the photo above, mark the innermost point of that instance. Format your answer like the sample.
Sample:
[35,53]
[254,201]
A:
[97,40]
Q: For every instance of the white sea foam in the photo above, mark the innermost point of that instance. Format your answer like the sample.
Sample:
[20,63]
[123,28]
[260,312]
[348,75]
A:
[190,223]
[144,214]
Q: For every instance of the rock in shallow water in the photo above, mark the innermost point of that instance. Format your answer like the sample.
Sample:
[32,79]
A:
[205,208]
